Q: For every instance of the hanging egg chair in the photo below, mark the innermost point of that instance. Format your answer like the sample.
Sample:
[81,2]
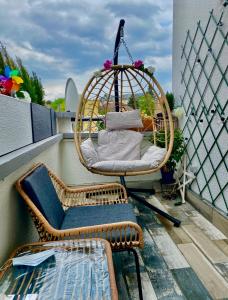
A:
[124,125]
[123,92]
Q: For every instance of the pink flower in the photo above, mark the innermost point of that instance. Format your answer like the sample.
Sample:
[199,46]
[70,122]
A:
[108,64]
[138,63]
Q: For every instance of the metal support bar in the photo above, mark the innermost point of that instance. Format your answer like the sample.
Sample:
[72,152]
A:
[142,200]
[148,191]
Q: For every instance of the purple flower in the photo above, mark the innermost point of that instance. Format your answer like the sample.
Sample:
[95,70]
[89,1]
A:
[108,64]
[138,64]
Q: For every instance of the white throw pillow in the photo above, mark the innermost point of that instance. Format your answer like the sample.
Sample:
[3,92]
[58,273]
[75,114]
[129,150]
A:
[123,120]
[119,145]
[89,153]
[154,155]
[122,165]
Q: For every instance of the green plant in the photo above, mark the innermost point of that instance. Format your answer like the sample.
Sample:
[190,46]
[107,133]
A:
[100,125]
[132,102]
[171,100]
[146,104]
[58,104]
[178,147]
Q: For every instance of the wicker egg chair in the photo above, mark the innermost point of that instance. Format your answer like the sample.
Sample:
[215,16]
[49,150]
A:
[115,93]
[134,85]
[125,88]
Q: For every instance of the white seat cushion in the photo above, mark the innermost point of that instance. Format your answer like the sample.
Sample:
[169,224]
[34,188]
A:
[122,166]
[123,120]
[88,152]
[119,145]
[154,156]
[119,151]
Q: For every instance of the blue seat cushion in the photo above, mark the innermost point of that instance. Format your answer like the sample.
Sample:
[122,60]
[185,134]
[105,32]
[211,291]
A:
[97,215]
[39,187]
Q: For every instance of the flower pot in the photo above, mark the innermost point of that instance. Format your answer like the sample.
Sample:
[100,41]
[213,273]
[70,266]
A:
[147,123]
[167,175]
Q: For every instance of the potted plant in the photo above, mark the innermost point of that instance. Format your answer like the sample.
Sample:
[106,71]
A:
[178,150]
[171,100]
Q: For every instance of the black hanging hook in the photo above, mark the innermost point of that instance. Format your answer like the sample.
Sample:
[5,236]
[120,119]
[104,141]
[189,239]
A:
[119,35]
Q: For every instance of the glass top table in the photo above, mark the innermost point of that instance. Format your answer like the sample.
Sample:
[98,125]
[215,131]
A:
[79,269]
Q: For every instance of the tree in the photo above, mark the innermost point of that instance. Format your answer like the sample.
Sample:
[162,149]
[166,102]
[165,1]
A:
[58,104]
[38,89]
[2,64]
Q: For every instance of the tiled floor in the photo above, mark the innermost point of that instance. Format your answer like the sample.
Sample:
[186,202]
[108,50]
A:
[190,262]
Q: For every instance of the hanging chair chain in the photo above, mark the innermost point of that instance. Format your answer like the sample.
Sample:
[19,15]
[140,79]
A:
[125,45]
[128,51]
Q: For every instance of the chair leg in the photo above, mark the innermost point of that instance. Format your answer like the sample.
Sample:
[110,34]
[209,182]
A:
[139,190]
[148,191]
[138,272]
[142,200]
[137,269]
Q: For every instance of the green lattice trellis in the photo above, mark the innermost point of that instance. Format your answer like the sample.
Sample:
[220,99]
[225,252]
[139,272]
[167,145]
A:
[204,78]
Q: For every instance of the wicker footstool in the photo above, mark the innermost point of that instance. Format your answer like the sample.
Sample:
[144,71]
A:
[80,269]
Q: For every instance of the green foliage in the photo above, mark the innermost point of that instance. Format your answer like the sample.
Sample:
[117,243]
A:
[171,100]
[132,102]
[100,125]
[38,89]
[102,111]
[178,147]
[58,104]
[2,64]
[145,103]
[32,84]
[20,95]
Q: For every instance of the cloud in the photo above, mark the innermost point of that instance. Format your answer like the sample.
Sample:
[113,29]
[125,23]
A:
[161,63]
[37,60]
[56,88]
[66,38]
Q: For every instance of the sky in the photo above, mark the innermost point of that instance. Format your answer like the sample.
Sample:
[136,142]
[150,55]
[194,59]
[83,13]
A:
[59,39]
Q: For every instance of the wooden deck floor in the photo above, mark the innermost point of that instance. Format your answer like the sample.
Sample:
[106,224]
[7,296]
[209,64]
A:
[190,262]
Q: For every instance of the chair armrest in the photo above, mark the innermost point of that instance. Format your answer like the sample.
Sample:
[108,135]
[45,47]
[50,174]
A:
[104,194]
[130,233]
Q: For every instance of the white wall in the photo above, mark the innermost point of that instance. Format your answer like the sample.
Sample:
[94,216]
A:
[16,226]
[186,14]
[185,17]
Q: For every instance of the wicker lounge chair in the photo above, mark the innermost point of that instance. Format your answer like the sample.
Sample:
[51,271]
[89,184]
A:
[60,212]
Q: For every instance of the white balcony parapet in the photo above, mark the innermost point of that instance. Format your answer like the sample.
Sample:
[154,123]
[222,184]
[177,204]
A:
[14,160]
[15,124]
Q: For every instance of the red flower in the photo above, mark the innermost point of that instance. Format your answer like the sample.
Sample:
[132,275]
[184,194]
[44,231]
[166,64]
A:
[108,64]
[138,64]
